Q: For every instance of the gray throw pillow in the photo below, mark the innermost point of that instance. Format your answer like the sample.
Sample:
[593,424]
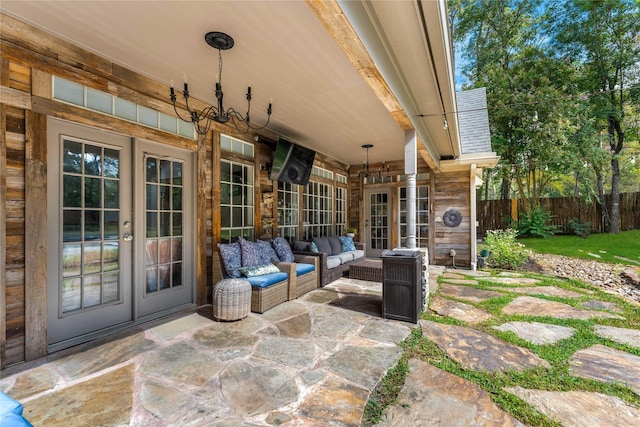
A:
[336,246]
[323,244]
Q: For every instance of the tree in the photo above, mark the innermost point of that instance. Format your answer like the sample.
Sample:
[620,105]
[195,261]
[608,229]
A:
[601,39]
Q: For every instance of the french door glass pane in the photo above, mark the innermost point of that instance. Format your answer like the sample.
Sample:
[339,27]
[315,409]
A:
[164,201]
[90,225]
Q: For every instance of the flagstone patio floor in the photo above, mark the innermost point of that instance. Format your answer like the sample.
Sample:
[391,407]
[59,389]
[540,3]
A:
[315,362]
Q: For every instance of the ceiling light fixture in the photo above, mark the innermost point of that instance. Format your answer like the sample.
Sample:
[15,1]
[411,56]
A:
[365,167]
[220,41]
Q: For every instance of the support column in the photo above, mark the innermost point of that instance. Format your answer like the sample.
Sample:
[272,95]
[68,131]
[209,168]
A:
[473,219]
[410,170]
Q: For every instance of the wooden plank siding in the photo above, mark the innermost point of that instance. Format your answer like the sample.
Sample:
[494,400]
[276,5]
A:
[451,191]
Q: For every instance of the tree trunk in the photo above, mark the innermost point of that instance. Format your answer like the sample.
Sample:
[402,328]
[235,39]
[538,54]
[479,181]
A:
[505,189]
[576,186]
[603,200]
[615,196]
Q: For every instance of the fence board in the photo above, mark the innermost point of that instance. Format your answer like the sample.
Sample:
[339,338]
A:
[496,214]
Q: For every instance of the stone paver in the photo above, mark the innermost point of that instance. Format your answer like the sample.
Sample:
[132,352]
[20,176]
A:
[552,291]
[462,281]
[433,397]
[619,335]
[595,304]
[35,381]
[335,402]
[449,275]
[530,306]
[362,365]
[478,350]
[580,408]
[467,293]
[99,401]
[606,364]
[537,333]
[170,330]
[513,281]
[459,310]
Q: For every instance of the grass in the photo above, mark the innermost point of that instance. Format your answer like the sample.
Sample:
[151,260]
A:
[556,378]
[606,246]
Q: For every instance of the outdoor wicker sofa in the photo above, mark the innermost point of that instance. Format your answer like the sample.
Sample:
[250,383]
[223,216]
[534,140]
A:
[335,259]
[272,280]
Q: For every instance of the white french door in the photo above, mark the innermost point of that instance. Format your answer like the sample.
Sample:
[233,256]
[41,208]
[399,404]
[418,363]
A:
[377,221]
[117,232]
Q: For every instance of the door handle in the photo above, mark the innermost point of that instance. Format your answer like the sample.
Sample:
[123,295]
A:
[127,237]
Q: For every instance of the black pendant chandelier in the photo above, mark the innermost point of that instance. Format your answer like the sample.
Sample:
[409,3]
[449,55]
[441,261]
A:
[384,168]
[202,120]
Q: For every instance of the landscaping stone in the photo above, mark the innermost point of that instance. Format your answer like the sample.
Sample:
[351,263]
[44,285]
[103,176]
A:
[530,306]
[449,275]
[619,335]
[537,333]
[606,364]
[580,408]
[459,310]
[475,295]
[433,397]
[477,350]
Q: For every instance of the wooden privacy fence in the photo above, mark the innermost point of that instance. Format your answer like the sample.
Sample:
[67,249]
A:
[498,214]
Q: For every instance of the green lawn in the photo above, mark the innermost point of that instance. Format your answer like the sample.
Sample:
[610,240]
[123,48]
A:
[599,247]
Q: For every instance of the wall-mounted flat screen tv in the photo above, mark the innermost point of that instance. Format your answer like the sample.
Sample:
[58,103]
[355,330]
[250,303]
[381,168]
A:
[292,163]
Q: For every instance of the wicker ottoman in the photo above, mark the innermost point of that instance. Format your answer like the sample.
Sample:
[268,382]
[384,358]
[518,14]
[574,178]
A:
[231,299]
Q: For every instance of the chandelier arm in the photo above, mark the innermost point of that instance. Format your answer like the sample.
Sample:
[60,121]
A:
[175,108]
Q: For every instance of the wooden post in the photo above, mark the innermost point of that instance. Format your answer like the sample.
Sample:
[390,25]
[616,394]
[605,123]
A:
[35,236]
[201,226]
[3,235]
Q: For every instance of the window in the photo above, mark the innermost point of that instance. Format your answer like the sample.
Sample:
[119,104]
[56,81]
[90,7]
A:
[288,209]
[237,146]
[236,201]
[341,210]
[422,216]
[317,210]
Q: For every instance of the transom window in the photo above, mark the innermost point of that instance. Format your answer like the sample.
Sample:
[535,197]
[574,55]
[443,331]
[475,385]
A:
[236,201]
[229,143]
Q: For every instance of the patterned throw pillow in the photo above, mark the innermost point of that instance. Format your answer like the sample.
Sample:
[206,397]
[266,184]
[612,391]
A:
[283,249]
[256,253]
[314,247]
[259,270]
[231,258]
[347,244]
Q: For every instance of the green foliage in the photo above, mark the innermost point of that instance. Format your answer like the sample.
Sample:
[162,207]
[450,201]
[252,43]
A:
[580,228]
[536,224]
[506,252]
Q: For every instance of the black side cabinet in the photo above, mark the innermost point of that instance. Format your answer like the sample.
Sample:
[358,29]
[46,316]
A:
[402,285]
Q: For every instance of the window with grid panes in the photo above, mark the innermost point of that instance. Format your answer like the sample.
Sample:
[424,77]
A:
[288,210]
[341,210]
[422,216]
[236,201]
[317,210]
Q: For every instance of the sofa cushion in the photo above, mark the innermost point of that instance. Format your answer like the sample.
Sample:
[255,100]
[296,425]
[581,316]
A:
[256,253]
[301,246]
[347,243]
[357,254]
[336,246]
[283,249]
[259,270]
[323,244]
[344,257]
[302,268]
[230,254]
[267,280]
[333,261]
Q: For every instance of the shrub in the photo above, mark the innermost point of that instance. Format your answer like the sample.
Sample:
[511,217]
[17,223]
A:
[582,229]
[505,251]
[536,224]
